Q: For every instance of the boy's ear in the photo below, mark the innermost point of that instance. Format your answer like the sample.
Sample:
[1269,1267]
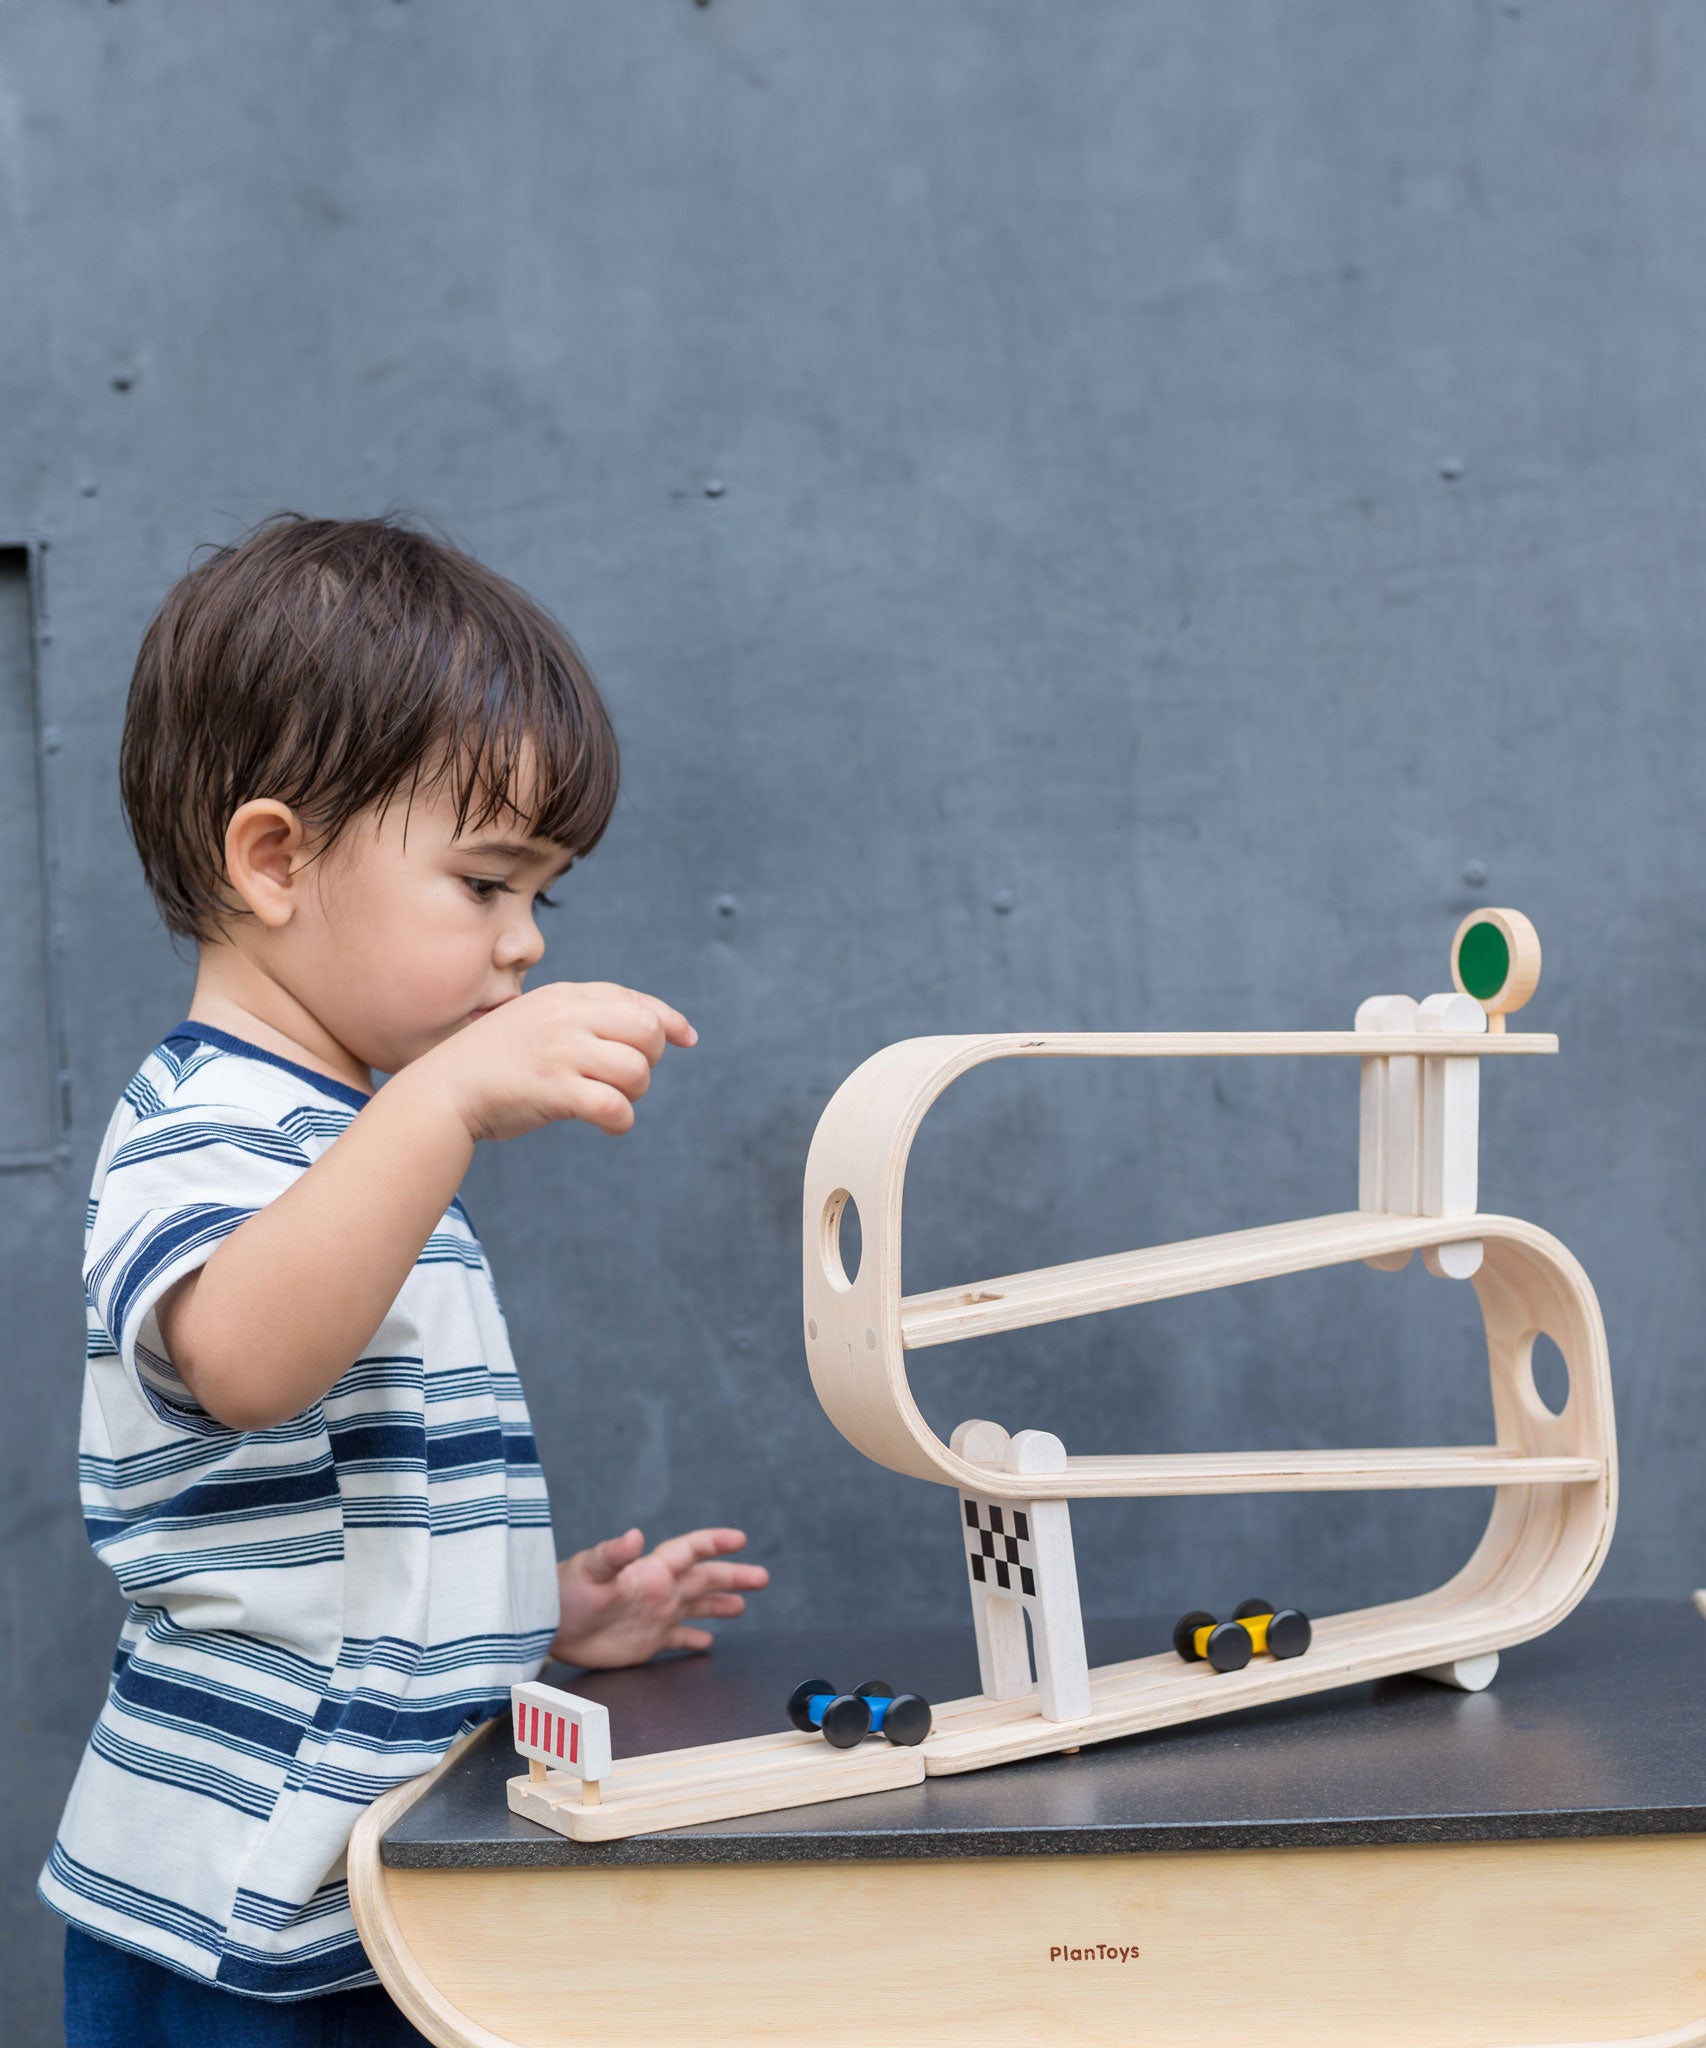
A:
[262,844]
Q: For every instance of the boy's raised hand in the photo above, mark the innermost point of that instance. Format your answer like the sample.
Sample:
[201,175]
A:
[622,1603]
[565,1049]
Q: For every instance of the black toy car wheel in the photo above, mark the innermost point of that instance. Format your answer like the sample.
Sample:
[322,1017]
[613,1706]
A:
[1289,1633]
[1184,1633]
[799,1699]
[1230,1647]
[846,1721]
[907,1721]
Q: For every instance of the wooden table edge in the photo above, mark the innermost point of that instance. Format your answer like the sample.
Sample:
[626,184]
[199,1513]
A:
[412,1990]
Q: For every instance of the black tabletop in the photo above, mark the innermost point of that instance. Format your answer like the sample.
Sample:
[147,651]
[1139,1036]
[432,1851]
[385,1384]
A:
[1598,1728]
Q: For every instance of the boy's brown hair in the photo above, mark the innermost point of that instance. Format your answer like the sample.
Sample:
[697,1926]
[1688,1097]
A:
[329,662]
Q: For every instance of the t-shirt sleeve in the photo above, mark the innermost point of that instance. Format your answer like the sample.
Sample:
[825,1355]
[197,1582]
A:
[177,1184]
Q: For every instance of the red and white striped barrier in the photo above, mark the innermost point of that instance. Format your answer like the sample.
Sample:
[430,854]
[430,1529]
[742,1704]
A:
[560,1731]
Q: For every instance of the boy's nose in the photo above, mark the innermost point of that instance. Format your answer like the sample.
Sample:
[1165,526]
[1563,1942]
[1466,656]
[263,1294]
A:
[522,945]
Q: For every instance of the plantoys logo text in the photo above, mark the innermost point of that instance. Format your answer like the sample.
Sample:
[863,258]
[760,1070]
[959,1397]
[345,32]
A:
[1094,1952]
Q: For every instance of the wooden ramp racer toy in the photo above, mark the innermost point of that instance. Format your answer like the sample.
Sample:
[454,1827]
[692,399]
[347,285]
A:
[1552,1476]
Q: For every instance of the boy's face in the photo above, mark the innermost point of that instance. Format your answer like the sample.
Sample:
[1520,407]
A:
[406,930]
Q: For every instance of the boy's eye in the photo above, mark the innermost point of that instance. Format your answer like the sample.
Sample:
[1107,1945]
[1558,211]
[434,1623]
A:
[485,888]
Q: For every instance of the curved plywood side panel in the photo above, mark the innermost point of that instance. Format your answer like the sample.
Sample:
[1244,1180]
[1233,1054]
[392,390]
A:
[852,1328]
[411,1988]
[1546,1536]
[1543,1546]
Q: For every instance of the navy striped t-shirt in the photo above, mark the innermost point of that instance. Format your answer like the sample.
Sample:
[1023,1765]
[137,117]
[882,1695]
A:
[318,1609]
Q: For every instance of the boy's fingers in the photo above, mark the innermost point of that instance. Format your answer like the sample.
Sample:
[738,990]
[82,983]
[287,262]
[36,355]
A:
[605,1560]
[626,1023]
[688,1639]
[607,1109]
[619,1065]
[675,1026]
[679,1552]
[720,1606]
[721,1578]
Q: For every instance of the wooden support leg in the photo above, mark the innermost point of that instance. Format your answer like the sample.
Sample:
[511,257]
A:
[1051,1598]
[1371,1124]
[1389,1154]
[1451,1133]
[1019,1562]
[1003,1658]
[1467,1674]
[1057,1625]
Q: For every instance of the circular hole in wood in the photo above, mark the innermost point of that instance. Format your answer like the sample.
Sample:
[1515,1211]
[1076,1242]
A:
[1549,1375]
[842,1241]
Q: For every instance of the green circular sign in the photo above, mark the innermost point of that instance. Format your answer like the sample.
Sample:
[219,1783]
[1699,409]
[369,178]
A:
[1484,961]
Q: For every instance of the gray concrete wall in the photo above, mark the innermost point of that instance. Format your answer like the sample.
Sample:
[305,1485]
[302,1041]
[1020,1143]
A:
[1210,494]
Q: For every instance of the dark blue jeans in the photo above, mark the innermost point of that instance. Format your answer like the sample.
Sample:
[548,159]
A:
[114,1999]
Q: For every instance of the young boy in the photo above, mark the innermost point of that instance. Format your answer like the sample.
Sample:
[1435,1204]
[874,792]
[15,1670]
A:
[353,760]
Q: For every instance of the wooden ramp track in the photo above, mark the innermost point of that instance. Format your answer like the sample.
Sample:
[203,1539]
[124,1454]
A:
[678,1788]
[767,1773]
[1372,1471]
[1164,1272]
[1052,1294]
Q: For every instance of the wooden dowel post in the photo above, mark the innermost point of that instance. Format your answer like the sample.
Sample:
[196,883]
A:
[1451,1109]
[1389,1178]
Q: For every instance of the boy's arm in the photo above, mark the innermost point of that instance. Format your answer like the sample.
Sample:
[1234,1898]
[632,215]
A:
[293,1296]
[288,1302]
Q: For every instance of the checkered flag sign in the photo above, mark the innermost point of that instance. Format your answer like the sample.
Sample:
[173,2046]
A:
[998,1547]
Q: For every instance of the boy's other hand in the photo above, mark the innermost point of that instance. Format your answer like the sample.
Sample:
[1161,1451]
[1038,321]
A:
[622,1603]
[565,1049]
